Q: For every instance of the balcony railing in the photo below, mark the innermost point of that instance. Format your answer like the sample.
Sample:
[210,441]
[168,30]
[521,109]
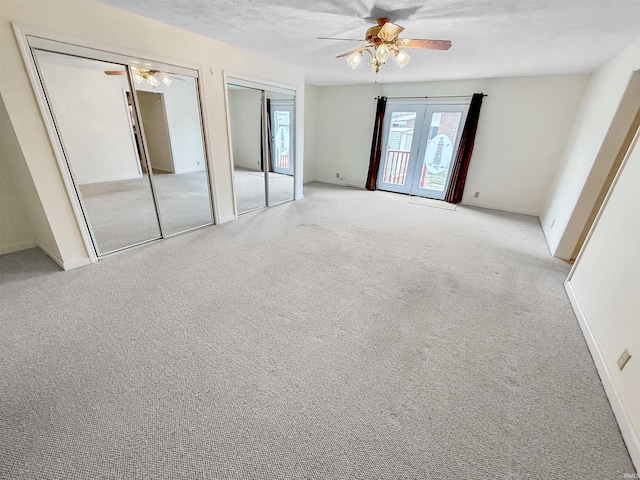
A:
[283,161]
[395,167]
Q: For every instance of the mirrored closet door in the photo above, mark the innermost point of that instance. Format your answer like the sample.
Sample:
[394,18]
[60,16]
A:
[262,126]
[133,143]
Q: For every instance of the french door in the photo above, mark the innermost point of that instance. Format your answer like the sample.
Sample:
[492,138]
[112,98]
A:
[420,144]
[281,137]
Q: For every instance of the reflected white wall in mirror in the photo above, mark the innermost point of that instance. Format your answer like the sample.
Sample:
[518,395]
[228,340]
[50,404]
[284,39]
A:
[88,99]
[173,131]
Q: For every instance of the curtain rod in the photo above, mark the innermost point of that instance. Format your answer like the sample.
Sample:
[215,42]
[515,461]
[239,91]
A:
[434,96]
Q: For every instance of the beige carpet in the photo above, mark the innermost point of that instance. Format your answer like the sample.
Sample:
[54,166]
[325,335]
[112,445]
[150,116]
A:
[351,335]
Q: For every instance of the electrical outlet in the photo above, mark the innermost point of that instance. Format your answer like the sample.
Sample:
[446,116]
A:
[476,195]
[624,358]
[337,175]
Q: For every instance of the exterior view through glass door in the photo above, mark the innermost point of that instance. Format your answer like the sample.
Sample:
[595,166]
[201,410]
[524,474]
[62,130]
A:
[420,142]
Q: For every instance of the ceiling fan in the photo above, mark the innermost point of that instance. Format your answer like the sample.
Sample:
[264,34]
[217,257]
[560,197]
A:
[382,40]
[153,77]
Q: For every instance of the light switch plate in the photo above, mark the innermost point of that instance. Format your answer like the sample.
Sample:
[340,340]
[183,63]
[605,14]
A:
[624,358]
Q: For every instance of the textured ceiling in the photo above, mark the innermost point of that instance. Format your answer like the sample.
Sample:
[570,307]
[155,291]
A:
[491,38]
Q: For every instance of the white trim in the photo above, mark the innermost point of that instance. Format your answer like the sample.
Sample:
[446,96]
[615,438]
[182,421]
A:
[228,218]
[501,209]
[299,196]
[258,83]
[605,202]
[21,37]
[49,254]
[617,405]
[207,145]
[340,184]
[17,248]
[230,141]
[107,48]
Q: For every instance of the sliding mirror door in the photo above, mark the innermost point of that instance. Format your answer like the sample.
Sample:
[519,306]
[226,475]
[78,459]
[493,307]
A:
[262,126]
[245,118]
[170,112]
[89,101]
[280,108]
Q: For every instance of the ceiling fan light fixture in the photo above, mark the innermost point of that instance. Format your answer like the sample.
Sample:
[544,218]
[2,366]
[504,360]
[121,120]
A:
[152,80]
[382,53]
[402,58]
[166,80]
[374,65]
[354,59]
[137,77]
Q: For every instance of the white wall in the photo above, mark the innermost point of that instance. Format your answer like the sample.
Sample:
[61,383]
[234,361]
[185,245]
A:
[604,287]
[15,228]
[91,110]
[183,120]
[311,132]
[523,127]
[95,24]
[591,149]
[244,114]
[23,223]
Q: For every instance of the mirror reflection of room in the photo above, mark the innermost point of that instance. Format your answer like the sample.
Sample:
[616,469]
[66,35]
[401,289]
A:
[92,117]
[249,157]
[103,141]
[280,108]
[245,113]
[170,114]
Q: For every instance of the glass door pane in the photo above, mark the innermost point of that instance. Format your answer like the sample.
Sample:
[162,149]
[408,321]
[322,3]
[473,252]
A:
[282,131]
[245,114]
[440,146]
[402,123]
[89,102]
[170,111]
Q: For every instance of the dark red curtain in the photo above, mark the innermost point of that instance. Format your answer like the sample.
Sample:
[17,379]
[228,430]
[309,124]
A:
[376,145]
[461,165]
[269,154]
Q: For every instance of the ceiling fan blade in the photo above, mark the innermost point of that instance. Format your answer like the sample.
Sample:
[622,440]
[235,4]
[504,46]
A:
[114,72]
[352,51]
[345,39]
[389,31]
[424,43]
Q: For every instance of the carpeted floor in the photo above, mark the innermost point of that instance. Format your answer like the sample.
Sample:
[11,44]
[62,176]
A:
[122,213]
[249,189]
[350,335]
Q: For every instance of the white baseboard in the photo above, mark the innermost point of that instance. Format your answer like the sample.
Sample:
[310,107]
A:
[81,262]
[17,248]
[339,182]
[629,434]
[53,257]
[501,209]
[228,218]
[299,197]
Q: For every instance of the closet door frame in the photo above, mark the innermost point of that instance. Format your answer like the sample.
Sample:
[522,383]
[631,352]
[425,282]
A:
[44,39]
